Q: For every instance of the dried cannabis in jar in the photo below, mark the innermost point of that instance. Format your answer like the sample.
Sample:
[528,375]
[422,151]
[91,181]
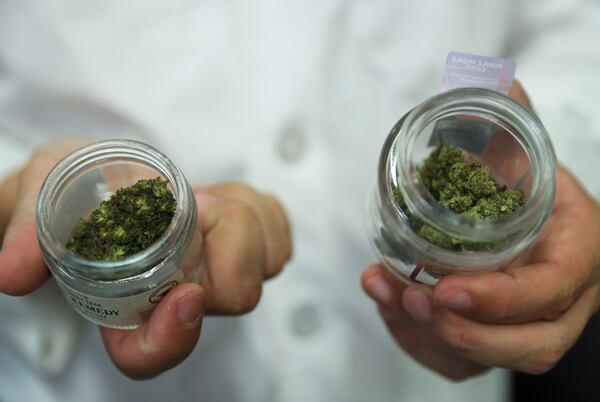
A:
[466,188]
[130,221]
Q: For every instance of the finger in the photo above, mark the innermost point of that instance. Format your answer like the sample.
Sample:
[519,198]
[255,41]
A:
[410,335]
[518,93]
[272,218]
[164,341]
[523,294]
[531,347]
[281,244]
[235,255]
[22,268]
[543,290]
[418,343]
[381,286]
[389,292]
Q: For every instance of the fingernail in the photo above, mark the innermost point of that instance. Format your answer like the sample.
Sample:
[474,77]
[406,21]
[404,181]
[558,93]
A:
[379,289]
[190,308]
[418,306]
[455,299]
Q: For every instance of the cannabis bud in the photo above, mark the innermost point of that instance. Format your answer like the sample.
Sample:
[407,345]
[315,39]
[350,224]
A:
[466,188]
[130,221]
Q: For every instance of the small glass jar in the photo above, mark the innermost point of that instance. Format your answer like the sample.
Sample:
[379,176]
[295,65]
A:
[499,133]
[120,293]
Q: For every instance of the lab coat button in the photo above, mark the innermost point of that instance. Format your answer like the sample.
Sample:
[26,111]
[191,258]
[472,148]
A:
[292,144]
[305,321]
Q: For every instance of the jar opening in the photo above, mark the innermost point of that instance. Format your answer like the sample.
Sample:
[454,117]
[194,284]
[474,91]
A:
[90,175]
[491,128]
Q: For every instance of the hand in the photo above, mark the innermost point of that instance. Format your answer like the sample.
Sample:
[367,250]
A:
[524,318]
[246,240]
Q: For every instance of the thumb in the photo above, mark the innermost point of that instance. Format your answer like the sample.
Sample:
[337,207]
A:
[165,340]
[22,268]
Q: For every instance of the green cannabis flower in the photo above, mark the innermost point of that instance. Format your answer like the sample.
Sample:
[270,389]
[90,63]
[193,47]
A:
[130,221]
[466,188]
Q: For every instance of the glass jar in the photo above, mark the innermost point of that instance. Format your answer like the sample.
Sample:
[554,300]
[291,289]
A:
[491,128]
[120,293]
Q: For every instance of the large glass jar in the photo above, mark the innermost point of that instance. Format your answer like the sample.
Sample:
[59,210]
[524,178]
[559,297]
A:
[120,293]
[491,128]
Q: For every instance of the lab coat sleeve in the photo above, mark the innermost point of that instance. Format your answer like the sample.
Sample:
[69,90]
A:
[557,48]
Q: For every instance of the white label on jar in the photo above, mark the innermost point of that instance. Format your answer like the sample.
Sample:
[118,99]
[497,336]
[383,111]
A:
[120,312]
[471,70]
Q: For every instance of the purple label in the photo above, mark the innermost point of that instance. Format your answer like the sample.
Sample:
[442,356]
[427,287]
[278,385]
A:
[470,70]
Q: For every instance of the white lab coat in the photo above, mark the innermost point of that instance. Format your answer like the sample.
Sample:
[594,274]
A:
[294,98]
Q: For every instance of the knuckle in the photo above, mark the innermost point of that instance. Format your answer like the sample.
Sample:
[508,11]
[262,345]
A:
[564,301]
[276,264]
[136,372]
[274,267]
[284,249]
[241,212]
[239,191]
[458,337]
[558,309]
[547,357]
[277,208]
[545,360]
[273,202]
[513,307]
[510,312]
[245,300]
[281,212]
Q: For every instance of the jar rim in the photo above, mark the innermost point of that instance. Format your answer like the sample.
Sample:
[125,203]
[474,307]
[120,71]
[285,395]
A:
[535,141]
[145,261]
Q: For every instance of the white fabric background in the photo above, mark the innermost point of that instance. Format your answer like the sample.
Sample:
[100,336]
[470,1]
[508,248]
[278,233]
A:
[294,98]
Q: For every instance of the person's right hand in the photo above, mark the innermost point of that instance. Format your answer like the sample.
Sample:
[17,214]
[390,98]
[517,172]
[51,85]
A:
[523,318]
[246,240]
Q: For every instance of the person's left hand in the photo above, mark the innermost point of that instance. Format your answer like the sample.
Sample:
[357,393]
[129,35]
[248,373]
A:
[524,318]
[246,240]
